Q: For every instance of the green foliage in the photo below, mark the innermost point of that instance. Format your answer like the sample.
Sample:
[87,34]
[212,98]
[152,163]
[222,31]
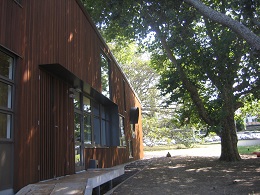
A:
[250,107]
[240,124]
[205,67]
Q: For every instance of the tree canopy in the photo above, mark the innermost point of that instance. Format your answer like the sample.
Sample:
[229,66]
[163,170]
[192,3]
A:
[202,57]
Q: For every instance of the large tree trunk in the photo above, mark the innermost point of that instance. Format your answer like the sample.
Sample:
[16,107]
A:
[229,151]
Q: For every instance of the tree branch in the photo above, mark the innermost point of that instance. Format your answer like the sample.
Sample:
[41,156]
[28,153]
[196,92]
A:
[252,39]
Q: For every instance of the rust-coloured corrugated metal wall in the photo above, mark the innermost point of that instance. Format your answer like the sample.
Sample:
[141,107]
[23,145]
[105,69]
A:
[57,32]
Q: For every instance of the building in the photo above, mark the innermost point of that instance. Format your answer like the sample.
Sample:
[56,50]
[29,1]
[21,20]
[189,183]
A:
[63,98]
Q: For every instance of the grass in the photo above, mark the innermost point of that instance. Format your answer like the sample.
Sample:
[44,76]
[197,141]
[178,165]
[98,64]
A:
[248,149]
[244,150]
[163,147]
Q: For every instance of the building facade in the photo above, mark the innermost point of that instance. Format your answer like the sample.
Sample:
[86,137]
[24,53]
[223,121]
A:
[63,98]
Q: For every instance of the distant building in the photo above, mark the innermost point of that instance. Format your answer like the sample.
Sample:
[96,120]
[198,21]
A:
[63,98]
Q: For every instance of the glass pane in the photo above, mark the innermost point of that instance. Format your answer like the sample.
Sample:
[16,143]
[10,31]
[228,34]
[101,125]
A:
[97,131]
[105,76]
[77,119]
[103,114]
[5,95]
[5,125]
[78,155]
[87,129]
[77,140]
[6,65]
[86,104]
[103,133]
[77,100]
[95,107]
[122,131]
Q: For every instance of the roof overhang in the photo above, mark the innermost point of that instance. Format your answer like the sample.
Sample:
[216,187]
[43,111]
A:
[63,73]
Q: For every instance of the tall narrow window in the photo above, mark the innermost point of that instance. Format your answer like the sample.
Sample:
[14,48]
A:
[130,146]
[105,76]
[122,131]
[124,95]
[87,121]
[6,95]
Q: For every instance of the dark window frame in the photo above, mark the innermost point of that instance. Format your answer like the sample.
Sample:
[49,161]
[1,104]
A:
[11,82]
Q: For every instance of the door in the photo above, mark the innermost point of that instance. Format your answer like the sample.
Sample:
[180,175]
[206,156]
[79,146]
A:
[56,131]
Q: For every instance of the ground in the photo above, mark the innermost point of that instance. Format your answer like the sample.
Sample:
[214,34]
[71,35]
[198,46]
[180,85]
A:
[193,171]
[194,175]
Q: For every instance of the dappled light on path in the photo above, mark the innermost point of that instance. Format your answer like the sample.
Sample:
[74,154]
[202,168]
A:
[195,175]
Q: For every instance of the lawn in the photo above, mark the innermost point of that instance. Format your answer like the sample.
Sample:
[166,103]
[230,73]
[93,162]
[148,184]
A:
[248,149]
[163,147]
[241,149]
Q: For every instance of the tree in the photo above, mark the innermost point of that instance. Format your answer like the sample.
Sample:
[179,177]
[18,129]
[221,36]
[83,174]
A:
[199,60]
[141,76]
[249,7]
[144,80]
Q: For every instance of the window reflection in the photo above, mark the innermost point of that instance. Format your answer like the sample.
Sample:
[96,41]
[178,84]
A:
[6,65]
[5,95]
[87,129]
[77,100]
[122,131]
[105,76]
[86,104]
[5,126]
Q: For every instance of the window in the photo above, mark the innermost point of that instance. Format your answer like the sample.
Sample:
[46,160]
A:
[87,121]
[122,131]
[101,124]
[82,118]
[91,121]
[130,146]
[105,76]
[6,95]
[124,95]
